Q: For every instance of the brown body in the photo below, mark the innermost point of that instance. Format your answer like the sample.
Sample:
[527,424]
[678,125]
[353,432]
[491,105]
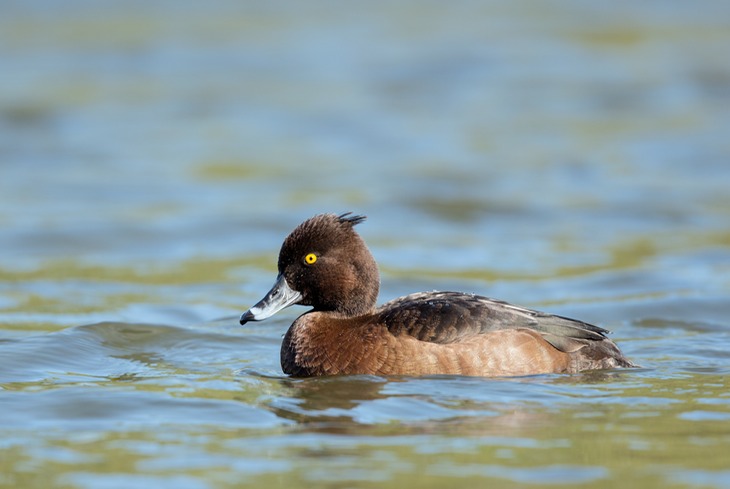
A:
[423,339]
[325,264]
[314,348]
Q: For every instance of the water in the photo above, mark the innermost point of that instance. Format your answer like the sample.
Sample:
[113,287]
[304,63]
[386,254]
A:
[567,156]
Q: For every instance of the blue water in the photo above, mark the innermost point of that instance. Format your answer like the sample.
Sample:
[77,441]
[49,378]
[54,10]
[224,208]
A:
[566,156]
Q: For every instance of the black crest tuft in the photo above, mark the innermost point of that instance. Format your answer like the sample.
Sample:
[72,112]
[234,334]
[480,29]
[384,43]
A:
[348,218]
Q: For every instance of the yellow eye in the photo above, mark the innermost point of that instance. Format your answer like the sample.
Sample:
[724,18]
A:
[310,259]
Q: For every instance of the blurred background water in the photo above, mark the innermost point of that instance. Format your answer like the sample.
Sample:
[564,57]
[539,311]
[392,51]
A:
[568,156]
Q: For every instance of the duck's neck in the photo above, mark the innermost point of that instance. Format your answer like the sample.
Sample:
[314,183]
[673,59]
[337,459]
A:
[363,296]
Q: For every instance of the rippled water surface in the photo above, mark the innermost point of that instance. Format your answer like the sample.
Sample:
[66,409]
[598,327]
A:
[567,156]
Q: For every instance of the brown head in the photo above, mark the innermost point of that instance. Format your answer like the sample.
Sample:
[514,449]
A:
[325,264]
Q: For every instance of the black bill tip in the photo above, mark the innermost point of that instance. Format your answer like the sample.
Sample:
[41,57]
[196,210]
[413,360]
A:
[246,317]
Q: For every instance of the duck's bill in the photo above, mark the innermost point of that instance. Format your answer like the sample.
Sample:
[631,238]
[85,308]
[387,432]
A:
[279,297]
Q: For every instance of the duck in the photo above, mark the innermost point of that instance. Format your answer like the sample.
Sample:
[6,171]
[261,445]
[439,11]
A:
[325,264]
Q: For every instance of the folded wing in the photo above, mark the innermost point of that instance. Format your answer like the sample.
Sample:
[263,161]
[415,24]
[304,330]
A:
[450,317]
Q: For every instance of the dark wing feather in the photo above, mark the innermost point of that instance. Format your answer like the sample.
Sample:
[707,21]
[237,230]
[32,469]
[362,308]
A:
[448,317]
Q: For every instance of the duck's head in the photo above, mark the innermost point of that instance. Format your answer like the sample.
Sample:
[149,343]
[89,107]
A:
[325,264]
